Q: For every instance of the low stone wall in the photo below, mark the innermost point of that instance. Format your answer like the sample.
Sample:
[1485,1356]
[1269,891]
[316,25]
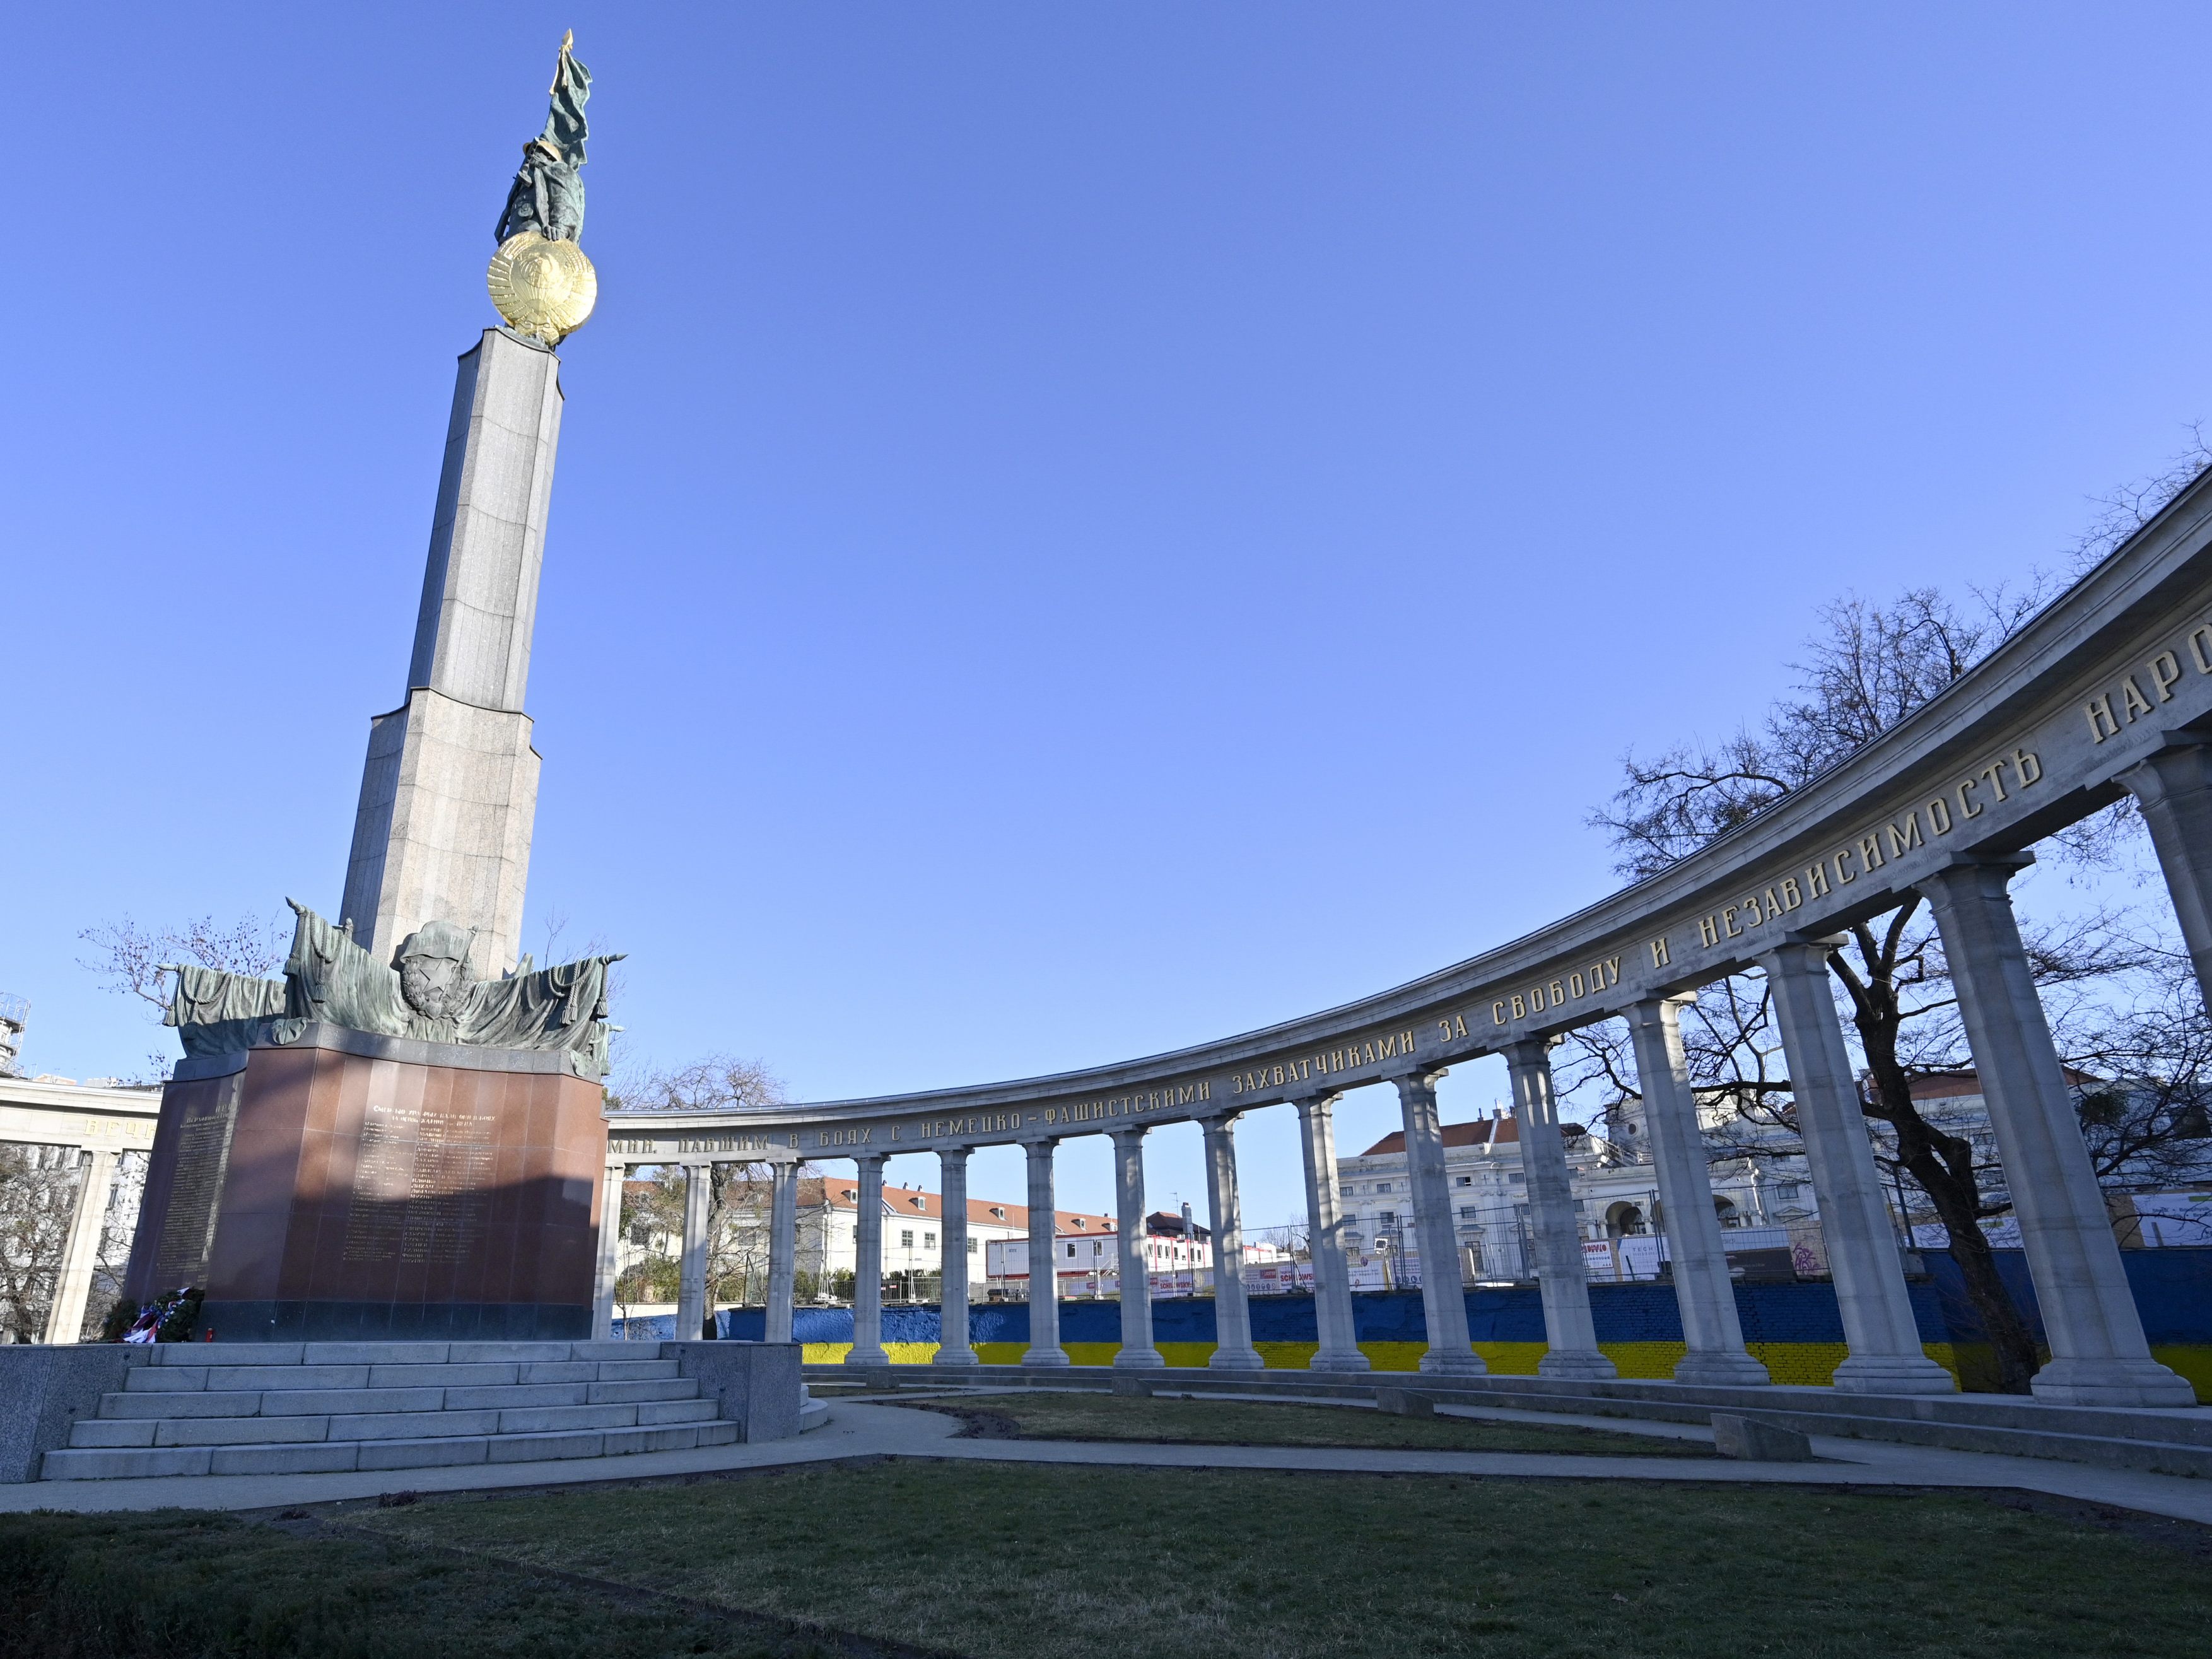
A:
[43,1391]
[755,1384]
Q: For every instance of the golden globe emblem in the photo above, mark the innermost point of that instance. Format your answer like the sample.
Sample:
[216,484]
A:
[542,287]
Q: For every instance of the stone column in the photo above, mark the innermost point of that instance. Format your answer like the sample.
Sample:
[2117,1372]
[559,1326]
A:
[1711,1330]
[81,1254]
[691,1283]
[782,1249]
[2174,789]
[868,1266]
[610,1263]
[1340,1340]
[1232,1314]
[953,1347]
[1570,1333]
[1044,1347]
[1444,1298]
[2098,1354]
[1137,1352]
[1886,1355]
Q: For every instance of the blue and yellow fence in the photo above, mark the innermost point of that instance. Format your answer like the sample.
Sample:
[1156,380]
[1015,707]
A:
[1794,1329]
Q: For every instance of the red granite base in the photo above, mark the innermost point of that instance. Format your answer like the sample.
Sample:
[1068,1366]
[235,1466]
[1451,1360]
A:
[321,1193]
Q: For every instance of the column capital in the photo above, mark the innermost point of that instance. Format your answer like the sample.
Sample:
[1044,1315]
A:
[1033,1145]
[1421,1081]
[1800,946]
[1307,1105]
[864,1159]
[2009,862]
[1126,1134]
[1530,1050]
[1651,1009]
[959,1151]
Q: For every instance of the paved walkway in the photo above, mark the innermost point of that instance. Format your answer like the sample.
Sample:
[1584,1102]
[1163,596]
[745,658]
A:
[864,1428]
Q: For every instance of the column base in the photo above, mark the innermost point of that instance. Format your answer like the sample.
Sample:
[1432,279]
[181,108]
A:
[1043,1357]
[1892,1374]
[1737,1370]
[2140,1383]
[1236,1359]
[1339,1359]
[1580,1364]
[963,1355]
[871,1355]
[1139,1360]
[1453,1365]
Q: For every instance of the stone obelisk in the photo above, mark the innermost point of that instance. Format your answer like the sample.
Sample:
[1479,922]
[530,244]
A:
[450,791]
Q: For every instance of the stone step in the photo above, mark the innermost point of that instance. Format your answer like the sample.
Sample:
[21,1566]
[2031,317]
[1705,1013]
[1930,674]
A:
[395,1353]
[184,1379]
[202,1404]
[138,1463]
[232,1404]
[91,1433]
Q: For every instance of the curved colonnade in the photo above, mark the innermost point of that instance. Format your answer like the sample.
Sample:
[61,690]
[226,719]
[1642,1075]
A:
[2107,692]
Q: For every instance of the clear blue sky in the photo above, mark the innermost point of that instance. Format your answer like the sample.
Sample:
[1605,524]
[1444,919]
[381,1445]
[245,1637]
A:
[1078,529]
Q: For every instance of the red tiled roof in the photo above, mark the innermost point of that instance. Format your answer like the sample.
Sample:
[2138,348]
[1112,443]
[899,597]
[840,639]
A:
[1950,1086]
[1483,1131]
[845,1194]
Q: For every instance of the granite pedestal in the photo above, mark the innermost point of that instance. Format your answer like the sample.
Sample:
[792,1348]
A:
[349,1187]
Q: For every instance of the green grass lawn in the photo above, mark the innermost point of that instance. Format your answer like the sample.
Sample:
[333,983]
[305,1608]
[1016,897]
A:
[1009,1561]
[1238,1423]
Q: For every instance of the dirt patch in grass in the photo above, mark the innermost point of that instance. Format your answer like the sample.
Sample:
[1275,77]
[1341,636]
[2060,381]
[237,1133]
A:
[1054,1416]
[1004,1561]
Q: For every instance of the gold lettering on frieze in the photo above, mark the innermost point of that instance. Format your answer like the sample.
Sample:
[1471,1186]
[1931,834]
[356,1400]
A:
[1590,981]
[1370,1052]
[976,1123]
[2164,670]
[1131,1105]
[853,1137]
[1869,853]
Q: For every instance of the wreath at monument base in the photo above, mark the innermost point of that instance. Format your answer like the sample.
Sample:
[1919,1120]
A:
[171,1318]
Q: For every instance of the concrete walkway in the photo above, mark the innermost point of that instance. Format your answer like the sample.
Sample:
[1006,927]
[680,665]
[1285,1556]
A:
[864,1429]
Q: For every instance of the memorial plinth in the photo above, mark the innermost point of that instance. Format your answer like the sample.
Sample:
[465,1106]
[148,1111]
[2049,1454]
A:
[348,1186]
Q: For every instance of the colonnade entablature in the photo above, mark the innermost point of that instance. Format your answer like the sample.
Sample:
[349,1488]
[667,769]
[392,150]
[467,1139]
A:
[2106,692]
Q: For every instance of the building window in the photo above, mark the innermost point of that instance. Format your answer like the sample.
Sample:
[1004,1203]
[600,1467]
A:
[1463,1181]
[1786,1191]
[971,1247]
[905,1239]
[1381,1186]
[1469,1213]
[929,1241]
[1071,1253]
[1387,1218]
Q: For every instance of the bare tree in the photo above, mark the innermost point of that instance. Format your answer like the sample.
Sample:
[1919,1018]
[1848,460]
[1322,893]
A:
[135,961]
[38,1200]
[718,1082]
[1866,669]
